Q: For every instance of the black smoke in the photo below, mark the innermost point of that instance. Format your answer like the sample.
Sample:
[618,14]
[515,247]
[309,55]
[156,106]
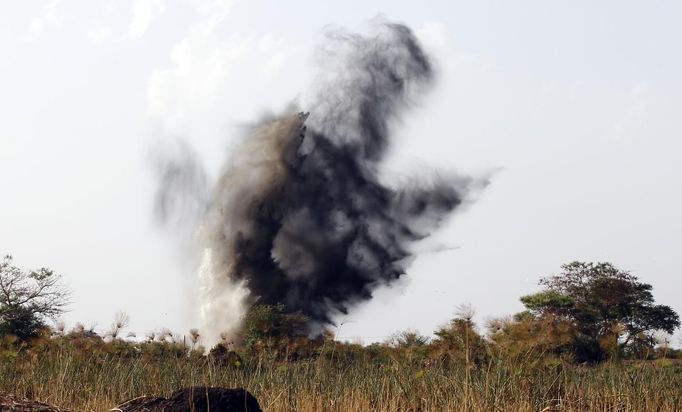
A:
[299,215]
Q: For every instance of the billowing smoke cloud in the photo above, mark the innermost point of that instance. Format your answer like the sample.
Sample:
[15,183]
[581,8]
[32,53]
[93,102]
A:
[299,215]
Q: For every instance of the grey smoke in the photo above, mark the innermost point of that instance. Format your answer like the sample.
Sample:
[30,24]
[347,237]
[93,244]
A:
[299,215]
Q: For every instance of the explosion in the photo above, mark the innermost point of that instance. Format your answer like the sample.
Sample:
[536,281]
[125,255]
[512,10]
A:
[299,215]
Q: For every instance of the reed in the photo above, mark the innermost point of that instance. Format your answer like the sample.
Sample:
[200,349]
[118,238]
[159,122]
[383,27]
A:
[96,381]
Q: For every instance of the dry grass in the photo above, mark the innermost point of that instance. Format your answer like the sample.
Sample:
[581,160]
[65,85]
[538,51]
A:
[96,382]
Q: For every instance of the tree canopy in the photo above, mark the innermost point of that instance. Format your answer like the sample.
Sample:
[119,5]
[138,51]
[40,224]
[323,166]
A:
[610,310]
[29,299]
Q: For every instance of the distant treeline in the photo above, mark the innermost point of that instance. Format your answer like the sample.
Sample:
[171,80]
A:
[587,313]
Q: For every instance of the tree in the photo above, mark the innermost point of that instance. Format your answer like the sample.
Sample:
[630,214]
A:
[270,329]
[459,341]
[610,309]
[29,299]
[409,344]
[407,339]
[543,339]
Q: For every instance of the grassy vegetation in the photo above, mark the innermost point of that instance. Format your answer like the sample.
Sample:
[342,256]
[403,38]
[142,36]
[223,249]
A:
[90,375]
[588,342]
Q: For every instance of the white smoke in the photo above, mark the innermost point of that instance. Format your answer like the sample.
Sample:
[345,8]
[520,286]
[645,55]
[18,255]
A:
[255,168]
[222,302]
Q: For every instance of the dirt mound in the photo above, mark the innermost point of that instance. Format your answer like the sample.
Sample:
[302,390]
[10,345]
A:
[198,399]
[15,404]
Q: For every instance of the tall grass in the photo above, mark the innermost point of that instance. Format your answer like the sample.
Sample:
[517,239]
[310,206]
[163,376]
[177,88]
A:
[96,382]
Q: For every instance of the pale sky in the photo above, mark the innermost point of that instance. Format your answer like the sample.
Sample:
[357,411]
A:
[578,105]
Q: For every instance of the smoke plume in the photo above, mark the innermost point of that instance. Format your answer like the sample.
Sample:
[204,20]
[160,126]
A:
[299,215]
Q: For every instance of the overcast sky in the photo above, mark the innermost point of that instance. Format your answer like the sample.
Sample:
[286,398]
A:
[577,105]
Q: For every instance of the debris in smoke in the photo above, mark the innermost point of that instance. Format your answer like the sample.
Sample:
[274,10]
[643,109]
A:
[299,215]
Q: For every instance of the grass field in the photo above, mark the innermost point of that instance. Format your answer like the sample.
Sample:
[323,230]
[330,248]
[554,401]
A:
[98,381]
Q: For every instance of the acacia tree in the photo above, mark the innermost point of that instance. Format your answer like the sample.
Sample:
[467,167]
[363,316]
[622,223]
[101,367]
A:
[610,309]
[29,299]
